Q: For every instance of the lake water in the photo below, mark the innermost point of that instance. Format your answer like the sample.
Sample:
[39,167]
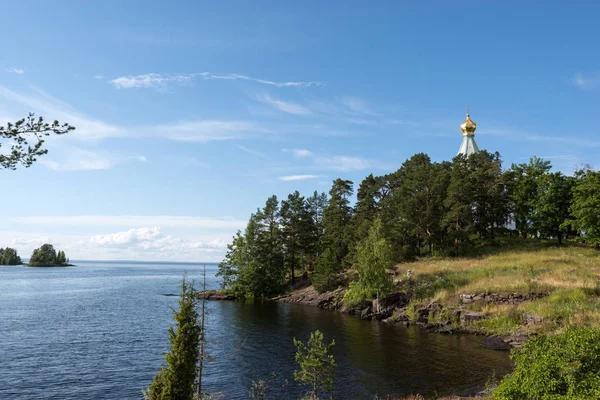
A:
[99,331]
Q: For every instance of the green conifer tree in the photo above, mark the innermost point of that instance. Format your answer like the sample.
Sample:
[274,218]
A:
[317,365]
[176,380]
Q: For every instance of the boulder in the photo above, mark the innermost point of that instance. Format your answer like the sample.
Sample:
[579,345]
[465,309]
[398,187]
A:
[532,319]
[468,316]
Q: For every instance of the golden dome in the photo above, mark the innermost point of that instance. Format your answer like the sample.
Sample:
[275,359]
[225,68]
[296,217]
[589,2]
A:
[468,127]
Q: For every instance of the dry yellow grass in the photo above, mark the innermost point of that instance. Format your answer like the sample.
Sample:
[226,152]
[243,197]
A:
[570,274]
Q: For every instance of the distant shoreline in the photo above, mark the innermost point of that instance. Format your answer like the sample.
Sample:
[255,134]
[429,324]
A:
[48,266]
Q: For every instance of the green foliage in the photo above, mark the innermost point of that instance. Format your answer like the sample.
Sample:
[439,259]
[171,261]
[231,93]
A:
[561,366]
[325,276]
[552,205]
[254,264]
[9,256]
[373,259]
[17,134]
[585,209]
[47,256]
[317,365]
[176,380]
[477,201]
[336,218]
[298,233]
[524,185]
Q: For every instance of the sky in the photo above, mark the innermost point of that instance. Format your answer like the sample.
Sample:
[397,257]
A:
[189,114]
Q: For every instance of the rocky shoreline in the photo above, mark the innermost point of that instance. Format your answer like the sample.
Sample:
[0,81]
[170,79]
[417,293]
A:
[395,309]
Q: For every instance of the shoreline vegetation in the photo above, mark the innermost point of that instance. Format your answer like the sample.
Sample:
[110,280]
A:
[454,246]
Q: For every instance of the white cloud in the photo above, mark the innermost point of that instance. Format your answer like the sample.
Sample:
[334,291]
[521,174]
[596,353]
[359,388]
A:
[68,158]
[44,104]
[285,106]
[162,81]
[100,77]
[127,237]
[296,177]
[207,130]
[141,158]
[586,82]
[300,153]
[521,136]
[343,163]
[141,244]
[253,152]
[157,81]
[208,75]
[130,221]
[359,106]
[17,71]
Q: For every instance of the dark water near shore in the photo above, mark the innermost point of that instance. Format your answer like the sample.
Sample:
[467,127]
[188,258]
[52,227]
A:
[99,331]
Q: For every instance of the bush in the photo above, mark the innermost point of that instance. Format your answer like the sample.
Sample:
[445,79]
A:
[562,366]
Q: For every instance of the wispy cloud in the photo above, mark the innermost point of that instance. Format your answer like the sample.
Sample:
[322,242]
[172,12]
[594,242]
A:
[251,151]
[157,81]
[99,77]
[207,130]
[132,221]
[332,163]
[233,77]
[297,177]
[18,71]
[343,163]
[358,106]
[521,136]
[300,153]
[43,103]
[162,81]
[285,106]
[586,82]
[76,159]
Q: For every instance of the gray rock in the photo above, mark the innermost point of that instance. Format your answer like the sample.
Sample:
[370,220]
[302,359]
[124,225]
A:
[468,316]
[364,314]
[532,319]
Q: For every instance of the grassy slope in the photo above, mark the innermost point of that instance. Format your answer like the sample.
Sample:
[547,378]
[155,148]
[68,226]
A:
[570,274]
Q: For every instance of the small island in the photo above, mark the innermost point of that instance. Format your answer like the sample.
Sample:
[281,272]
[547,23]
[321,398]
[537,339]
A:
[9,256]
[47,256]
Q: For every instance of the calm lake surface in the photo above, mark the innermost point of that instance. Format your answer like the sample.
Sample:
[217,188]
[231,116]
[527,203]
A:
[99,331]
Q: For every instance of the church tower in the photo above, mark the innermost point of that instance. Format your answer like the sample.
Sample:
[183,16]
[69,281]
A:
[468,145]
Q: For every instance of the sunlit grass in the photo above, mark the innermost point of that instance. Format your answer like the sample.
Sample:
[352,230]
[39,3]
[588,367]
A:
[569,274]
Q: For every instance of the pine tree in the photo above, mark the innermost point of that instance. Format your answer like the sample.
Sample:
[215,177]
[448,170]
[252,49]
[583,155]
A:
[176,381]
[337,216]
[298,232]
[317,365]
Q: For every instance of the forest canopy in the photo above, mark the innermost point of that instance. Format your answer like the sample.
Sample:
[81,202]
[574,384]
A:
[423,209]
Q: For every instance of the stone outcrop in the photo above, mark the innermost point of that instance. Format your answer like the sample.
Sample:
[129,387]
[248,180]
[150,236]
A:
[498,298]
[215,295]
[309,296]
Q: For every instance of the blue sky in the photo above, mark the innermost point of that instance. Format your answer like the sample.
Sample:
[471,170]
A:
[190,114]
